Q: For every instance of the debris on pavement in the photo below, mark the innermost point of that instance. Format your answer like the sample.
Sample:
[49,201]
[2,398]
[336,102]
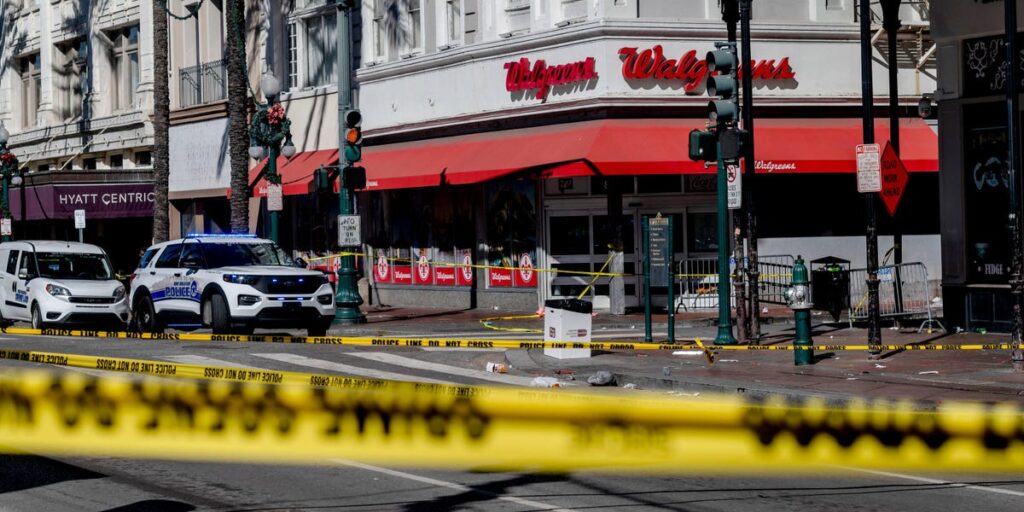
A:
[630,386]
[565,371]
[929,372]
[545,382]
[879,365]
[728,360]
[601,378]
[688,353]
[666,371]
[497,367]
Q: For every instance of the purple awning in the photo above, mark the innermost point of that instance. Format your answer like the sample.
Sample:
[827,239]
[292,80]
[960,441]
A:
[100,201]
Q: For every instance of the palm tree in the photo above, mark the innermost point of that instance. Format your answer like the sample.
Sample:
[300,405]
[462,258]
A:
[238,126]
[161,124]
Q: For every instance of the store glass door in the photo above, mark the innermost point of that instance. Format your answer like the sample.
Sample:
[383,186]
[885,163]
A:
[578,241]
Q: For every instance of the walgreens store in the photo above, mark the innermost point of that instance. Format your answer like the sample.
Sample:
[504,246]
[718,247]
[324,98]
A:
[502,155]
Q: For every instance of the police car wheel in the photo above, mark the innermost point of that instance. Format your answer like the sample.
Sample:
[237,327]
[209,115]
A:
[220,317]
[144,316]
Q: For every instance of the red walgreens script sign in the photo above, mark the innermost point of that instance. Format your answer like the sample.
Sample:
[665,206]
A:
[894,179]
[651,63]
[521,77]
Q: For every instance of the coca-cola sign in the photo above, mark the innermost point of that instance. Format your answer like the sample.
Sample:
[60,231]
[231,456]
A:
[693,72]
[520,76]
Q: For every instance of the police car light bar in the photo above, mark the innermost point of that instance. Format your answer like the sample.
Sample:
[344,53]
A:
[220,235]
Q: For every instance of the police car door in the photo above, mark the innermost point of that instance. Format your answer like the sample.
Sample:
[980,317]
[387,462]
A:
[10,306]
[165,272]
[190,289]
[27,268]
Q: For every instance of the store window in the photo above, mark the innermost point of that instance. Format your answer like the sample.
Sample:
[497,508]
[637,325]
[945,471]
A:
[380,37]
[415,24]
[321,50]
[986,194]
[512,222]
[293,56]
[30,89]
[659,184]
[124,67]
[701,235]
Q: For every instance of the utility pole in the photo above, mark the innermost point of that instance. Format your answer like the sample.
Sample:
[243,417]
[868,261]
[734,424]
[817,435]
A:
[347,299]
[749,167]
[1013,142]
[891,24]
[871,235]
[731,16]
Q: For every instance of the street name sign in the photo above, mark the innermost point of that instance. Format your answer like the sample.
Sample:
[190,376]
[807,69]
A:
[894,179]
[869,178]
[349,232]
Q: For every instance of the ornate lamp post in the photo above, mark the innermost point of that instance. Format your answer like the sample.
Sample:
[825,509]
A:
[269,128]
[9,173]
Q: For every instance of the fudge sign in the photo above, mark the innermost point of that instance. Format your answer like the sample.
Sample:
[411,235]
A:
[692,71]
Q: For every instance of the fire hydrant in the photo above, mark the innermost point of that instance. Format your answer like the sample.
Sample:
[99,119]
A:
[798,296]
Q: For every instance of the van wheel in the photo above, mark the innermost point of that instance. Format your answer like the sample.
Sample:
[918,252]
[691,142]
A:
[144,316]
[215,311]
[37,318]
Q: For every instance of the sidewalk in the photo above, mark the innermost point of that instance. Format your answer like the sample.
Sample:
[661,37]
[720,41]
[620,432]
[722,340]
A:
[926,376]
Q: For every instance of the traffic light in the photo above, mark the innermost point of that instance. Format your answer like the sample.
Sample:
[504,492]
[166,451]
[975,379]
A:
[734,143]
[354,178]
[353,136]
[722,111]
[702,146]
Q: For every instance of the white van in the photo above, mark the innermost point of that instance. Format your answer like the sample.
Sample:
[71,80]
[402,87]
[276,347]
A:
[48,282]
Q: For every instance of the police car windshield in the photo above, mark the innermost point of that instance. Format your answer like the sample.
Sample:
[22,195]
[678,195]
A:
[244,254]
[89,267]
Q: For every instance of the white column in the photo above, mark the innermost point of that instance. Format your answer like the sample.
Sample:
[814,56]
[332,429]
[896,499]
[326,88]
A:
[146,71]
[48,81]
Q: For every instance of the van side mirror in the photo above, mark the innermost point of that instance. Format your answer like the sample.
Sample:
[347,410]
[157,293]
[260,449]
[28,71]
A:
[301,263]
[24,275]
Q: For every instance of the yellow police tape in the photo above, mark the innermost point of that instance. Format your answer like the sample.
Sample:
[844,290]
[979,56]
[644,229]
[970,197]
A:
[503,429]
[601,273]
[457,343]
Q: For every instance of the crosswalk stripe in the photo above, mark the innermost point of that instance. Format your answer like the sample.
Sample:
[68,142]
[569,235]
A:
[408,362]
[347,369]
[71,495]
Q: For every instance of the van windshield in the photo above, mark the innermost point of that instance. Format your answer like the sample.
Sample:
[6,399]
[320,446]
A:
[244,254]
[89,267]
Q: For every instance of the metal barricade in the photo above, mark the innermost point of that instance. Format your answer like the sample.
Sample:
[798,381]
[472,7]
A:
[903,292]
[698,285]
[776,273]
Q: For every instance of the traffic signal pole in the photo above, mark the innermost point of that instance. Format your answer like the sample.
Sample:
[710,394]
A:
[731,16]
[347,298]
[749,166]
[1013,143]
[871,235]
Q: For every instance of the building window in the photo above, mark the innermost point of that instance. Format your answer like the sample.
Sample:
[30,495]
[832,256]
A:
[89,164]
[143,159]
[379,30]
[321,46]
[74,69]
[125,67]
[43,168]
[415,24]
[833,5]
[293,56]
[453,15]
[30,76]
[117,162]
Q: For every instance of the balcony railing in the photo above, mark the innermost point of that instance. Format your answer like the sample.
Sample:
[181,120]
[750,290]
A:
[203,84]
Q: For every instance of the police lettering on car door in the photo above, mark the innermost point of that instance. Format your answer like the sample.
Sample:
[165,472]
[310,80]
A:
[177,289]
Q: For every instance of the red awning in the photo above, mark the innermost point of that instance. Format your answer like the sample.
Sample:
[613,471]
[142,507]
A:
[296,173]
[630,147]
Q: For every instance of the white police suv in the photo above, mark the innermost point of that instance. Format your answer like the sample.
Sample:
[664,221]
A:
[230,283]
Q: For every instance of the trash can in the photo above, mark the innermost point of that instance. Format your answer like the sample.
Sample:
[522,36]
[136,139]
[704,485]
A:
[567,321]
[830,285]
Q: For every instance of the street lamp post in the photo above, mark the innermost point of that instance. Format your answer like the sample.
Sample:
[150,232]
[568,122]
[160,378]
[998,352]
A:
[10,175]
[270,127]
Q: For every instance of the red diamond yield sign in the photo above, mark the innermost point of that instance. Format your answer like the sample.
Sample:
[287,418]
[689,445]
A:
[894,179]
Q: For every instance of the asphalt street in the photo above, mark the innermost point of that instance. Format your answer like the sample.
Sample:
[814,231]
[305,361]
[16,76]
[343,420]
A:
[34,483]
